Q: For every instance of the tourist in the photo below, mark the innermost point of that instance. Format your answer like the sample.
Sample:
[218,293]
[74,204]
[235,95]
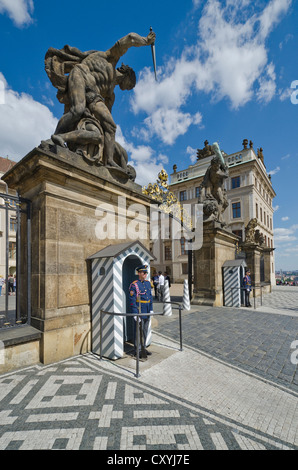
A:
[161,286]
[155,285]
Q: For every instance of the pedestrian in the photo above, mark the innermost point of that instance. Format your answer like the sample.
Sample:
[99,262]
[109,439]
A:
[14,284]
[155,285]
[10,284]
[161,286]
[141,297]
[247,287]
[167,278]
[2,282]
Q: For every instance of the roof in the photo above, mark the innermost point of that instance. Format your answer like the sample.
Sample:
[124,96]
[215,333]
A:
[6,164]
[112,251]
[234,263]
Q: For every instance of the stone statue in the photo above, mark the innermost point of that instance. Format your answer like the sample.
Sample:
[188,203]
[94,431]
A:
[205,152]
[86,83]
[259,238]
[250,230]
[213,195]
[253,235]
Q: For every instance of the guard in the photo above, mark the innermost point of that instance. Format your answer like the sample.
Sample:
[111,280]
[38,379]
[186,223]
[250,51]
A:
[141,302]
[247,287]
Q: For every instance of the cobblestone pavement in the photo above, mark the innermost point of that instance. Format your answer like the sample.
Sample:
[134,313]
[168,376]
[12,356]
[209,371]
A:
[233,386]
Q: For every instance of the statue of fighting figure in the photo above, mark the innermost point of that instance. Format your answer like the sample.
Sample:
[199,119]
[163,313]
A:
[212,192]
[86,83]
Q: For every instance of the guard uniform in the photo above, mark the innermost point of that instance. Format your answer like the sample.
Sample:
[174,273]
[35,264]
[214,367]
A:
[247,287]
[141,290]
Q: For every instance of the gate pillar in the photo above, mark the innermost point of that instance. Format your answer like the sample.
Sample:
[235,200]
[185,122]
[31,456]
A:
[66,194]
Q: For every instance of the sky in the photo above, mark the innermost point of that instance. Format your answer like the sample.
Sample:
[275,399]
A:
[226,70]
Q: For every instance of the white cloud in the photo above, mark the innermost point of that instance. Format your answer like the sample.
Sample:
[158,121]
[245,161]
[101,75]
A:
[285,218]
[229,61]
[168,124]
[286,40]
[143,159]
[285,235]
[271,15]
[273,172]
[267,85]
[192,154]
[163,102]
[19,11]
[285,94]
[24,122]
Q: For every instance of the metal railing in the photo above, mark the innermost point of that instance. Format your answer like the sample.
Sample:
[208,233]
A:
[253,289]
[102,312]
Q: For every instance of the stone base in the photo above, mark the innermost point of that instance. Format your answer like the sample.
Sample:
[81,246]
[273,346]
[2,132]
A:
[20,347]
[218,247]
[66,194]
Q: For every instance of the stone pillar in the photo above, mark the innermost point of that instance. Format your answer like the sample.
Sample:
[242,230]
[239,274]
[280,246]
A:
[267,253]
[253,253]
[218,247]
[65,192]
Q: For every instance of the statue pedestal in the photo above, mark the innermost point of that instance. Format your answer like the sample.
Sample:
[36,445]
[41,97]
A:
[253,253]
[65,192]
[218,247]
[258,259]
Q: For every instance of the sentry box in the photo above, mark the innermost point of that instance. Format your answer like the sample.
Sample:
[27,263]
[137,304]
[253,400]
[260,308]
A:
[113,269]
[233,274]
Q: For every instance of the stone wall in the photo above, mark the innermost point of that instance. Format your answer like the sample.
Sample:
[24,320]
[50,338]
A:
[65,195]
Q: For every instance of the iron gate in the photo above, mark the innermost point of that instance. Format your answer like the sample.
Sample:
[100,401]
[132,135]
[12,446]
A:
[15,260]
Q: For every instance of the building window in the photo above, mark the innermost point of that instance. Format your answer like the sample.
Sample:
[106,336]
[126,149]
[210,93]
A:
[168,253]
[198,190]
[183,196]
[182,243]
[13,225]
[184,268]
[257,211]
[236,207]
[236,182]
[261,214]
[12,250]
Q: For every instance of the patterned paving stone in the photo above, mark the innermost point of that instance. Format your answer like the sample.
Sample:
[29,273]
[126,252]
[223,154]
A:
[232,387]
[61,408]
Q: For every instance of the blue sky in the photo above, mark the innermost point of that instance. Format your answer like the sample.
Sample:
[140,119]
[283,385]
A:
[224,68]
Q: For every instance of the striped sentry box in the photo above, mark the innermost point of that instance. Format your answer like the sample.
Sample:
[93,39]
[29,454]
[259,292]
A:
[232,295]
[107,294]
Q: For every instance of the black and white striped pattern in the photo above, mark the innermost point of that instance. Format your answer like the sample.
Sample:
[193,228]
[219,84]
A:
[167,308]
[107,294]
[232,295]
[186,301]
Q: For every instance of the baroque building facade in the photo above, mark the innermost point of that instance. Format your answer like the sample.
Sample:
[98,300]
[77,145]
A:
[250,195]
